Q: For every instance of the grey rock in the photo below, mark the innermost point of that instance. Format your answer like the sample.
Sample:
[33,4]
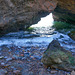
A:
[3,72]
[57,57]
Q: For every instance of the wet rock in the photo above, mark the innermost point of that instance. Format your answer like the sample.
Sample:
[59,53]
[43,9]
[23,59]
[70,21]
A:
[8,59]
[53,71]
[2,64]
[3,72]
[57,57]
[65,11]
[22,55]
[15,57]
[1,57]
[67,74]
[17,72]
[72,35]
[73,73]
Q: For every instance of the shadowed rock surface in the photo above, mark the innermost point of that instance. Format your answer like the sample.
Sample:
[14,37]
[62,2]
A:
[72,34]
[57,57]
[65,11]
[18,15]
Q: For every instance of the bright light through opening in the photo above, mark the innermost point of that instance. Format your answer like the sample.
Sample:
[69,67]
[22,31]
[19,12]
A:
[45,21]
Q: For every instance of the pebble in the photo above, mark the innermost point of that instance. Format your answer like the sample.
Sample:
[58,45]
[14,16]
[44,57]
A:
[3,72]
[2,64]
[22,55]
[8,59]
[73,73]
[1,57]
[67,74]
[15,57]
[53,71]
[16,71]
[5,57]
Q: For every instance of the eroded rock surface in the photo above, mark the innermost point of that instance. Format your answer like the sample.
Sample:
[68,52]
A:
[65,11]
[17,15]
[57,57]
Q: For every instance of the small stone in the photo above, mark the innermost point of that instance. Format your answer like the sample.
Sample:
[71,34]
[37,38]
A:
[3,72]
[15,57]
[5,57]
[67,74]
[22,55]
[2,64]
[53,71]
[1,57]
[73,73]
[8,59]
[16,71]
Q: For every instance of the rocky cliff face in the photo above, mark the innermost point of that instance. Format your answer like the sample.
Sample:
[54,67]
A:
[17,15]
[65,11]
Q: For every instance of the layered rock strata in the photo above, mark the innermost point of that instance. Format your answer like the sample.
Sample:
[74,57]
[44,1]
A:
[65,11]
[17,15]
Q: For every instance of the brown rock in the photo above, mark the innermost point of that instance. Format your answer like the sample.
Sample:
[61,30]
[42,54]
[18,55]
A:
[18,15]
[16,71]
[65,11]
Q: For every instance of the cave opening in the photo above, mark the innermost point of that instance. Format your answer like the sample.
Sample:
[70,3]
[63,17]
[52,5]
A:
[45,21]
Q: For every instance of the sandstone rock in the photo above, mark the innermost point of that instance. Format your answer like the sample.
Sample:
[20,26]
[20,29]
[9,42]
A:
[65,11]
[57,57]
[18,15]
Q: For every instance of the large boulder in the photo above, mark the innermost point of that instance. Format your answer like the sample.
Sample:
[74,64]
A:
[57,57]
[17,15]
[65,11]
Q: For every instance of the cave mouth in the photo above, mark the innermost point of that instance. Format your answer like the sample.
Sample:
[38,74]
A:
[45,21]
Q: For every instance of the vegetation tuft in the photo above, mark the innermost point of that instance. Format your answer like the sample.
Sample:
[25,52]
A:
[61,25]
[30,29]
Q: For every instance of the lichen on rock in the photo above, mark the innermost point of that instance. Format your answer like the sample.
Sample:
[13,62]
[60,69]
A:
[57,57]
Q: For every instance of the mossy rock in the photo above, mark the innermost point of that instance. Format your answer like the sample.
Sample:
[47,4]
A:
[57,57]
[72,34]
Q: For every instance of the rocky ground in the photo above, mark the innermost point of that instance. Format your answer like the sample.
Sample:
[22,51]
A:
[16,60]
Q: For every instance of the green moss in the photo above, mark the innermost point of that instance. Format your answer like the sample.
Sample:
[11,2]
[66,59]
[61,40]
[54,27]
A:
[71,60]
[30,29]
[61,25]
